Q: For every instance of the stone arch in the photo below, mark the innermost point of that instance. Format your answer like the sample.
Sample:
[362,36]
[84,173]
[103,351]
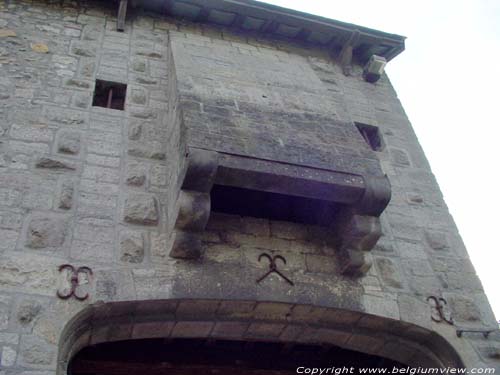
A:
[250,320]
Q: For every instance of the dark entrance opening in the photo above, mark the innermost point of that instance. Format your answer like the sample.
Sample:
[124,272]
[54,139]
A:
[221,357]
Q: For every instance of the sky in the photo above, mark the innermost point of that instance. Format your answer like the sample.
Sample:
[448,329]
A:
[448,80]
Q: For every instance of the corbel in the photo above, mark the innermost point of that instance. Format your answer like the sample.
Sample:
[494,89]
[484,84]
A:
[122,14]
[346,53]
[193,203]
[358,228]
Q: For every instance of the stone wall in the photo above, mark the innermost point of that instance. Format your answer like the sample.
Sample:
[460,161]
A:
[97,187]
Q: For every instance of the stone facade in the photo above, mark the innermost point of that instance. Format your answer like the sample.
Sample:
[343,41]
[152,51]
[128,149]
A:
[97,187]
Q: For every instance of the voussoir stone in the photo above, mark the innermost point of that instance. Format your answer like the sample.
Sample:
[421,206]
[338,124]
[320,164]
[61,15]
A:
[46,232]
[141,209]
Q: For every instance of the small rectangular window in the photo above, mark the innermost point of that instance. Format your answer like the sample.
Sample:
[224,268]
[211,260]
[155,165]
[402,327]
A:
[109,94]
[371,135]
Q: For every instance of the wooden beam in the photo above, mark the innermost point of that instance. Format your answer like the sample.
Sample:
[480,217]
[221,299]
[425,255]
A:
[122,14]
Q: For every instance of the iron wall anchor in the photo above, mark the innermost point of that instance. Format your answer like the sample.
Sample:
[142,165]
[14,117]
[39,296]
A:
[273,267]
[75,272]
[440,304]
[486,333]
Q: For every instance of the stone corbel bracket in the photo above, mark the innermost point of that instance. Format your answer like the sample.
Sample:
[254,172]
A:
[346,53]
[193,203]
[358,228]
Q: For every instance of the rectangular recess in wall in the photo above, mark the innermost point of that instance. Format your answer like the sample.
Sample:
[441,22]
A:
[272,206]
[109,94]
[371,135]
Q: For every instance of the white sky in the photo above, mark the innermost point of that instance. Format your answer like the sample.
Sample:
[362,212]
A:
[446,80]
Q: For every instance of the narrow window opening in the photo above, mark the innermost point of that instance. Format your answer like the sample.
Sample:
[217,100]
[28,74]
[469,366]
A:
[272,206]
[109,94]
[371,135]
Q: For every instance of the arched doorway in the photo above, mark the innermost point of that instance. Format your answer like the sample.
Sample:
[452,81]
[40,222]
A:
[219,334]
[221,357]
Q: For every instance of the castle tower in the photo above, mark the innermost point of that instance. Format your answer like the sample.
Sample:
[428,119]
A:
[219,186]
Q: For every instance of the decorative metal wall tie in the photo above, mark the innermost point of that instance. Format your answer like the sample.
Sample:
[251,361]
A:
[439,305]
[485,333]
[75,272]
[273,267]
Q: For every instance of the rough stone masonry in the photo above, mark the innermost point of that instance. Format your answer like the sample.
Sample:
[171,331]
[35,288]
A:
[98,187]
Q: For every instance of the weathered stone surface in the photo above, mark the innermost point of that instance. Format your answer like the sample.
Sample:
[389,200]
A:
[38,132]
[131,247]
[40,47]
[9,239]
[150,150]
[436,240]
[66,195]
[134,131]
[138,96]
[36,351]
[28,310]
[7,356]
[69,143]
[136,174]
[389,272]
[400,157]
[141,209]
[465,309]
[46,232]
[83,49]
[5,33]
[50,163]
[160,245]
[139,65]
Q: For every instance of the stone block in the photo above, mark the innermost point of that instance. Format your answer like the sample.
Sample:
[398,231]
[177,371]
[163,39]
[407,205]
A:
[288,230]
[236,309]
[383,306]
[389,272]
[233,330]
[148,330]
[141,209]
[27,311]
[69,143]
[265,330]
[136,174]
[414,310]
[66,195]
[46,232]
[400,157]
[255,226]
[196,309]
[321,264]
[131,247]
[38,132]
[365,343]
[272,311]
[192,329]
[324,336]
[436,240]
[53,164]
[464,309]
[9,239]
[36,351]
